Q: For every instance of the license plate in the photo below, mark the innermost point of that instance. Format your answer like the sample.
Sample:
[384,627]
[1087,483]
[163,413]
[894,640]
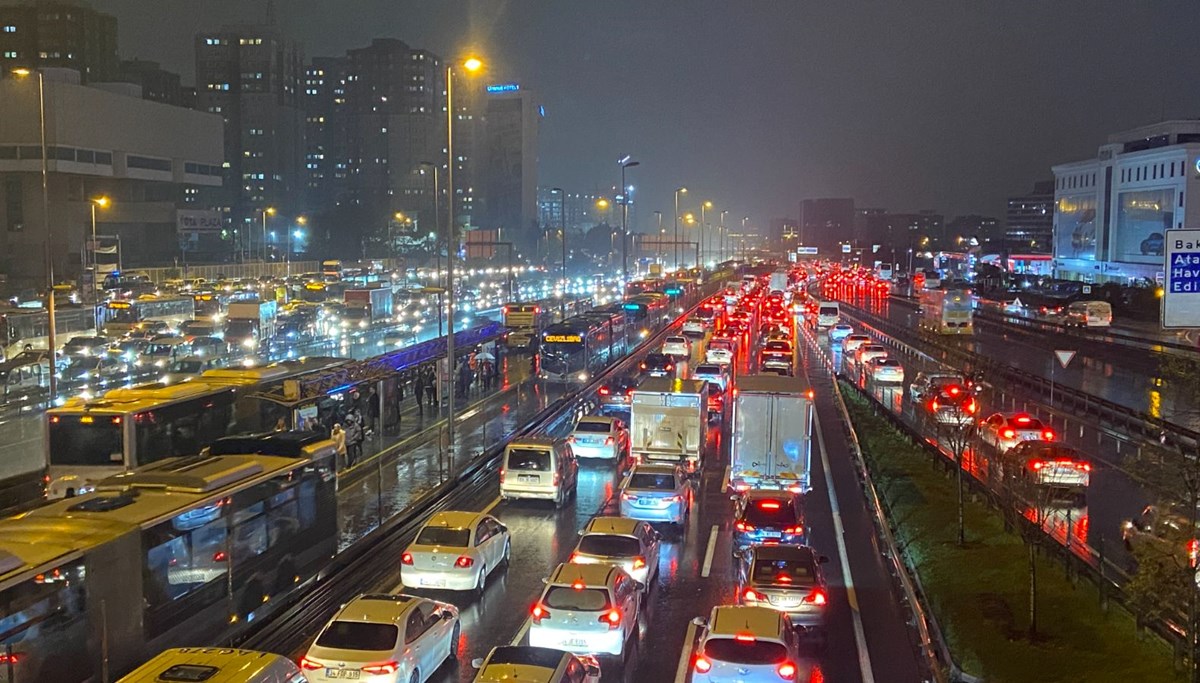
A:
[528,478]
[433,583]
[772,534]
[645,502]
[574,642]
[344,674]
[785,601]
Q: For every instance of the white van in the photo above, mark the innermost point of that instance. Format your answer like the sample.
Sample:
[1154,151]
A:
[216,665]
[1088,314]
[540,468]
[828,314]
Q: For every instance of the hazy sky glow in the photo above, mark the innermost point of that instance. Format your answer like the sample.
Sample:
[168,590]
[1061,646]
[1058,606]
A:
[946,105]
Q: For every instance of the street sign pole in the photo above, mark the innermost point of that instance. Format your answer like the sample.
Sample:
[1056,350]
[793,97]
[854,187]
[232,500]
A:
[1064,357]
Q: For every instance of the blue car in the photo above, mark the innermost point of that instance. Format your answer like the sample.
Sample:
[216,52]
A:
[767,517]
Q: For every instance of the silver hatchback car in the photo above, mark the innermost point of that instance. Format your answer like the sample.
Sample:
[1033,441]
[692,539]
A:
[656,493]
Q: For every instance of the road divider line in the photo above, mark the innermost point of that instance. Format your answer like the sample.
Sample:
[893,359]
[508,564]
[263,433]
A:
[492,505]
[521,633]
[708,554]
[685,659]
[860,636]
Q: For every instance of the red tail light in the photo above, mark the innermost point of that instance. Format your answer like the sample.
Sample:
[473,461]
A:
[787,671]
[769,505]
[538,613]
[670,367]
[639,562]
[794,530]
[383,668]
[1086,467]
[750,595]
[609,441]
[612,617]
[464,562]
[555,480]
[310,664]
[742,526]
[573,557]
[220,556]
[702,665]
[406,559]
[1037,465]
[604,391]
[1048,435]
[1008,433]
[643,366]
[816,597]
[501,475]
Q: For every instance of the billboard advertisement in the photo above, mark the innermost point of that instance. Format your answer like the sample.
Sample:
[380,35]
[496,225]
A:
[1075,229]
[194,221]
[1142,220]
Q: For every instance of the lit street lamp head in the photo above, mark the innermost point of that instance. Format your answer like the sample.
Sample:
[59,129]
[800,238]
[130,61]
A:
[270,210]
[101,202]
[21,72]
[472,64]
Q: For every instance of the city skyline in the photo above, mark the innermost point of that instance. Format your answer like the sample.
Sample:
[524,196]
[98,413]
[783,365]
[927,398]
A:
[881,104]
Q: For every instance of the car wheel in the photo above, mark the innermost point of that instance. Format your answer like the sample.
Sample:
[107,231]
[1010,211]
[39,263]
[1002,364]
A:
[415,677]
[454,637]
[507,552]
[559,499]
[480,582]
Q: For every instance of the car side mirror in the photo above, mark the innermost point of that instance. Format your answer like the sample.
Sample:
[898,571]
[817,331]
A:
[640,586]
[824,559]
[701,622]
[445,614]
[591,670]
[477,663]
[733,496]
[545,581]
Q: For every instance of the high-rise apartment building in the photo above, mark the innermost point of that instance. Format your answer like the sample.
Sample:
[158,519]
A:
[825,222]
[509,164]
[1030,225]
[158,84]
[324,139]
[59,33]
[251,75]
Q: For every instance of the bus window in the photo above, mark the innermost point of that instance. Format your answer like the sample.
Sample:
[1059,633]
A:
[94,442]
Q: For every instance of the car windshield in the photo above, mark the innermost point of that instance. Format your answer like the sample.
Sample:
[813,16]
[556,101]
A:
[594,427]
[440,535]
[719,346]
[358,635]
[709,370]
[529,459]
[889,363]
[646,480]
[581,600]
[189,367]
[676,340]
[609,545]
[781,571]
[770,513]
[736,651]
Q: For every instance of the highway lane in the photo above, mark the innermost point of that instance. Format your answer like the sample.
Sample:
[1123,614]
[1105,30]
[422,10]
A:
[1126,376]
[696,572]
[1115,492]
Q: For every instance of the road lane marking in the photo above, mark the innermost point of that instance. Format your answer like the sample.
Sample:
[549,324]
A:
[708,554]
[685,659]
[521,633]
[860,636]
[492,505]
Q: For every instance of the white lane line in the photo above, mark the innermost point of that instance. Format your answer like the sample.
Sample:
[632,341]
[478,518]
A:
[492,505]
[685,659]
[708,554]
[521,633]
[860,636]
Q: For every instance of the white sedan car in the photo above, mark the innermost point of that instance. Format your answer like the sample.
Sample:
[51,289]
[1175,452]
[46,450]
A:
[720,352]
[384,638]
[600,437]
[1005,430]
[884,370]
[679,347]
[455,551]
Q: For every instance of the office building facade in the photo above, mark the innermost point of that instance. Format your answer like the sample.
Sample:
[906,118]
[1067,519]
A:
[1030,220]
[1111,213]
[825,222]
[150,159]
[509,170]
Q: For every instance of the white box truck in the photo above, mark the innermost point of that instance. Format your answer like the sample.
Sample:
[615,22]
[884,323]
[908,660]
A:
[668,421]
[772,434]
[250,323]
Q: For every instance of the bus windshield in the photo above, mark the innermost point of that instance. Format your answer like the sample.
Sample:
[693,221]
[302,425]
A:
[76,442]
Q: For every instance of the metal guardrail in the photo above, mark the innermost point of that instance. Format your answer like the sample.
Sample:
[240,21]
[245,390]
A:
[358,567]
[939,662]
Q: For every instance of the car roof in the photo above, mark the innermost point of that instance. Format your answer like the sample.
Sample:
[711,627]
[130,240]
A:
[378,608]
[588,574]
[767,494]
[708,368]
[732,620]
[453,519]
[612,525]
[796,553]
[598,419]
[532,442]
[654,469]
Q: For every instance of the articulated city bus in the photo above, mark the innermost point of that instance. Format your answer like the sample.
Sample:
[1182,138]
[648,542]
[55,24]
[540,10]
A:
[21,328]
[90,439]
[573,350]
[120,316]
[185,551]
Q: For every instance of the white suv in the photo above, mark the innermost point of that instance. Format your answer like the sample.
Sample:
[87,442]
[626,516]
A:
[747,644]
[586,608]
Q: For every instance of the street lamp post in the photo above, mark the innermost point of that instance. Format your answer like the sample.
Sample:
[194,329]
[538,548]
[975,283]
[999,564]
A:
[658,242]
[471,65]
[703,207]
[625,162]
[301,221]
[721,241]
[47,252]
[269,211]
[682,190]
[96,202]
[562,210]
[744,219]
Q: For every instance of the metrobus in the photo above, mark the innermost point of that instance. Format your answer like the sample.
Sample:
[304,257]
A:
[647,311]
[126,428]
[24,327]
[120,316]
[614,322]
[573,350]
[188,550]
[332,268]
[517,315]
[947,311]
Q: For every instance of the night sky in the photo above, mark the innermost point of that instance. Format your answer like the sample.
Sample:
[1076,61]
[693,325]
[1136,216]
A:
[945,105]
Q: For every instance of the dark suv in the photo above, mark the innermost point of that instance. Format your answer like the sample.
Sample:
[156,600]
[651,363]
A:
[767,518]
[658,365]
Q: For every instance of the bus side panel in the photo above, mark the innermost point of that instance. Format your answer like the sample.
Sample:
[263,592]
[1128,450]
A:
[114,580]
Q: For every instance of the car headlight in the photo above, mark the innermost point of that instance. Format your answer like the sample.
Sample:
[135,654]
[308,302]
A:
[362,324]
[248,343]
[160,363]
